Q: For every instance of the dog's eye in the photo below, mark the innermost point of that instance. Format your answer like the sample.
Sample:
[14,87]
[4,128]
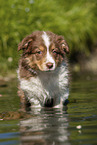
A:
[39,52]
[54,51]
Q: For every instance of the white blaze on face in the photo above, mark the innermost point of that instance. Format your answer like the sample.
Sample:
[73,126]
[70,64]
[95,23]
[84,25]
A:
[49,58]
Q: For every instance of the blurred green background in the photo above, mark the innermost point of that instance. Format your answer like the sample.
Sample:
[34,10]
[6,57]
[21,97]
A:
[75,20]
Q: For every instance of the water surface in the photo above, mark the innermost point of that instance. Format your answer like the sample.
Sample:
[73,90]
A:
[75,126]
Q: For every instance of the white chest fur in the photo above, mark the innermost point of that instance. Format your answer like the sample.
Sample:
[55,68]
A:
[53,84]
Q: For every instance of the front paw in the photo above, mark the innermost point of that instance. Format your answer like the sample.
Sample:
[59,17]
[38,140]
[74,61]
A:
[49,102]
[65,102]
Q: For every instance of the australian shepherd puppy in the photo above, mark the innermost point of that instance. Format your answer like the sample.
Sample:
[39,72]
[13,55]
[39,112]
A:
[43,70]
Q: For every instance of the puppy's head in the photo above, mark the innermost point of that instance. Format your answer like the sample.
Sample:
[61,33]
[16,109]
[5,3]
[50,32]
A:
[44,50]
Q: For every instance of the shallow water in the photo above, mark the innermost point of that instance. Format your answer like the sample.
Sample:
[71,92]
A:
[75,126]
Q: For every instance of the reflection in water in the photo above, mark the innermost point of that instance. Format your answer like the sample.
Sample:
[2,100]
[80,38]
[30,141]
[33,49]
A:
[51,126]
[48,126]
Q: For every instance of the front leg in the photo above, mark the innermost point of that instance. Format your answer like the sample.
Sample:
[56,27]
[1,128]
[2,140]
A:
[64,99]
[22,100]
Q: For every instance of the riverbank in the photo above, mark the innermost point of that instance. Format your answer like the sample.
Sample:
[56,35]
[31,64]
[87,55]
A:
[86,64]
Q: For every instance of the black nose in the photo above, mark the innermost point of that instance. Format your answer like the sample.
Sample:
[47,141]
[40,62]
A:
[49,65]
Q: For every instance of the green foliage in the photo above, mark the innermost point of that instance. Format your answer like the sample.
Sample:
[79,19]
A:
[75,20]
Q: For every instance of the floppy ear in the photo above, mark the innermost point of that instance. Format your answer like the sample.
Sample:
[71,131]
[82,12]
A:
[25,43]
[63,44]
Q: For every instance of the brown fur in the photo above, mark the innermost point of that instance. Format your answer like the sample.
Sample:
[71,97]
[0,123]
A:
[34,52]
[33,44]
